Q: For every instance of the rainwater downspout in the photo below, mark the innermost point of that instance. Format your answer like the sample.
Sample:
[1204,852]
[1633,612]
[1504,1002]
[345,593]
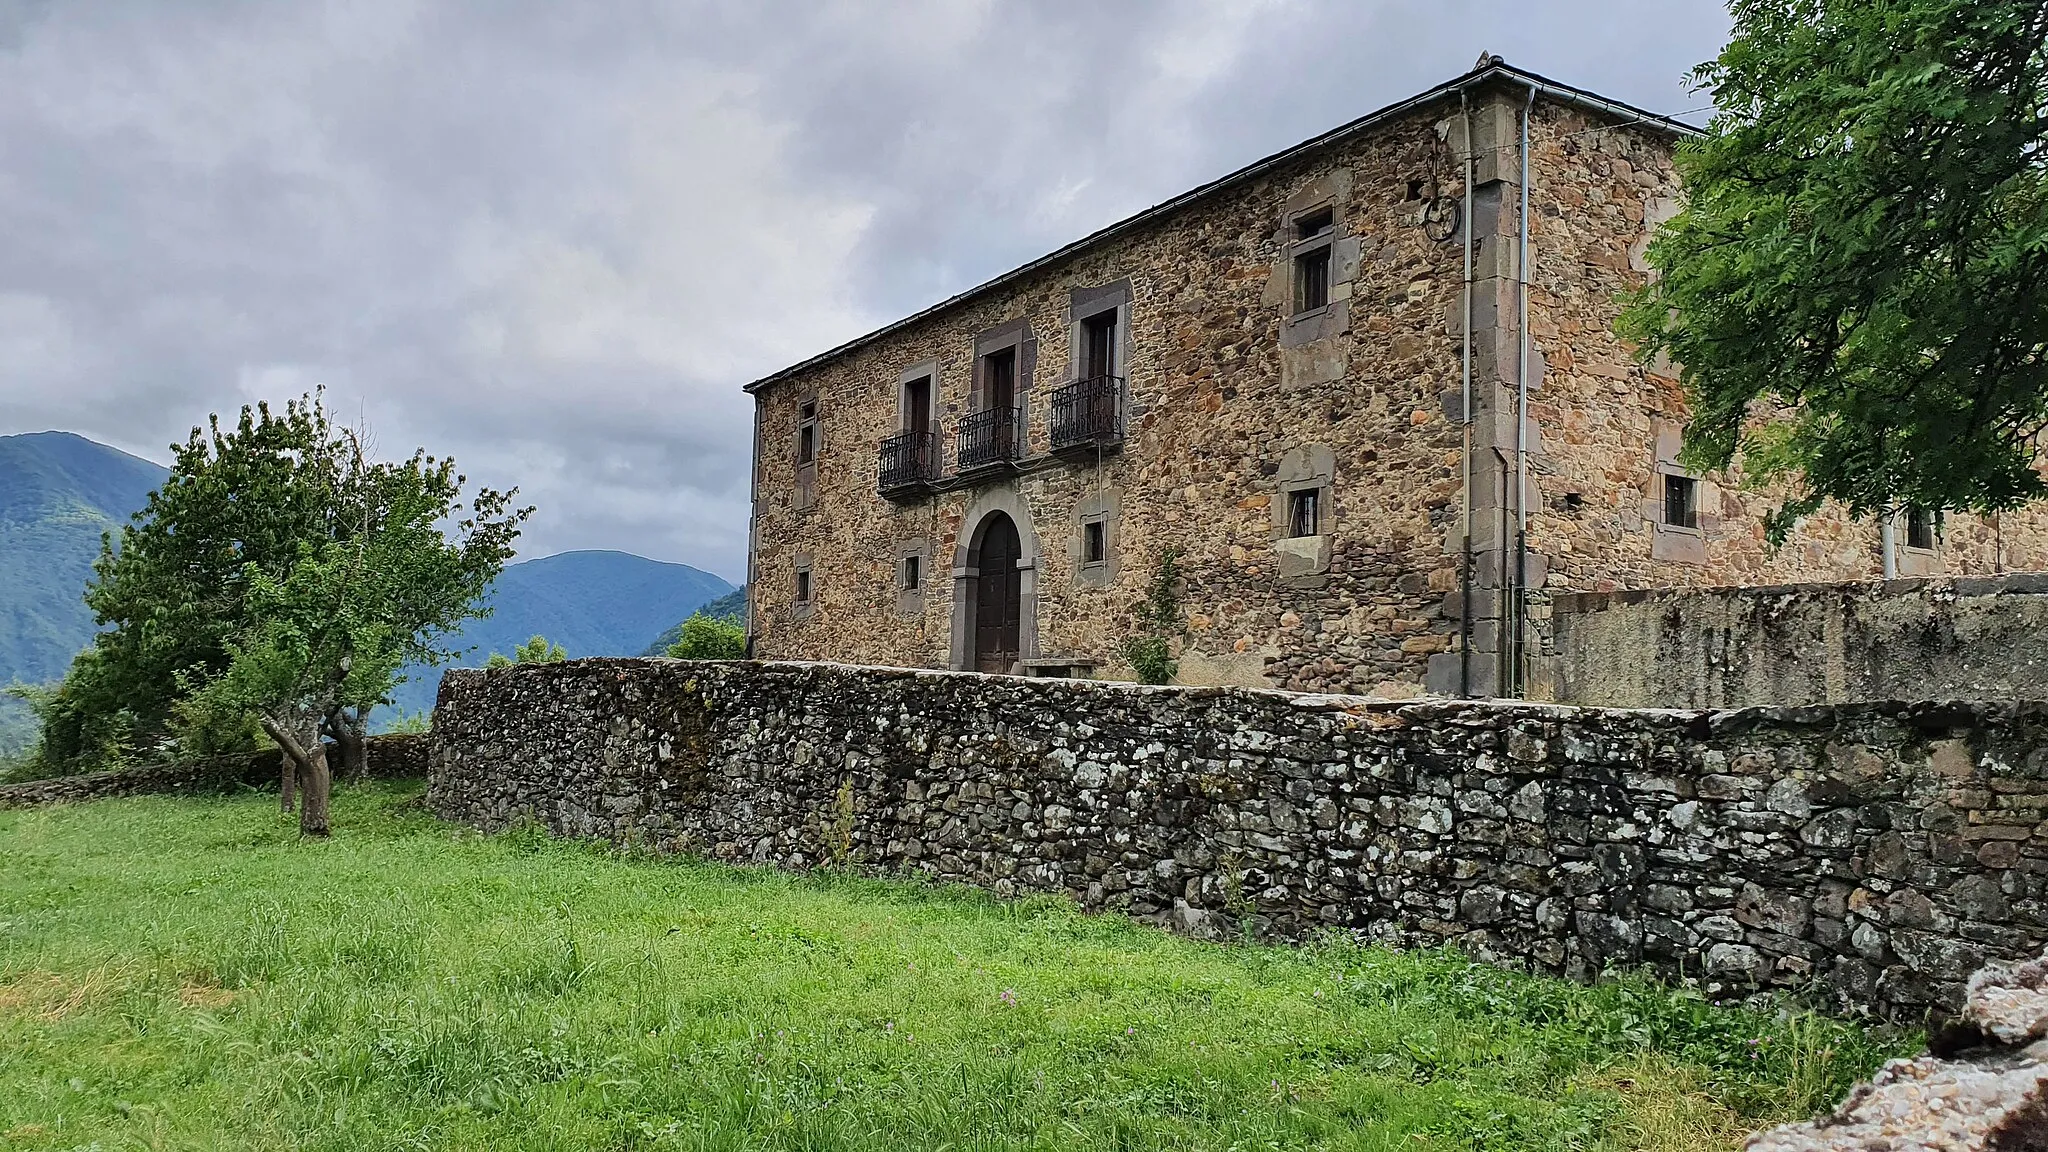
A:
[1465,572]
[753,522]
[1521,602]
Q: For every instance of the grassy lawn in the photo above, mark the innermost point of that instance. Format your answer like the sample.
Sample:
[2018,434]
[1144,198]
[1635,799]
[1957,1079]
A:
[186,974]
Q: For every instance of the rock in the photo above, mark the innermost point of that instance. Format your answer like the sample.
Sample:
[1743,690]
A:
[1984,1089]
[2009,1001]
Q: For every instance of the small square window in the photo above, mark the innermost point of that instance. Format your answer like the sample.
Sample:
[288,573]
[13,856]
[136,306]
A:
[913,572]
[1315,224]
[1681,502]
[1304,513]
[803,585]
[1094,542]
[1919,527]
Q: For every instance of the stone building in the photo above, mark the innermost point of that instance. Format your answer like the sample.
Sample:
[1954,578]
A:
[1304,379]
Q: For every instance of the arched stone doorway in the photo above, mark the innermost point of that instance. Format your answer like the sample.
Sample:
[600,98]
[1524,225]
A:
[998,600]
[995,577]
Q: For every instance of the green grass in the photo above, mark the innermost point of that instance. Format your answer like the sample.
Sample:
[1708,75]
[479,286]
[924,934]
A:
[184,973]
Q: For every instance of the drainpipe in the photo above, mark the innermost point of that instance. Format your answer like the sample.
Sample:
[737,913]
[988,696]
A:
[1521,605]
[753,526]
[1465,571]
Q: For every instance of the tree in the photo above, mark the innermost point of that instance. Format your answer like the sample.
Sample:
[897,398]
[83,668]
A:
[282,576]
[536,650]
[709,638]
[1857,288]
[167,592]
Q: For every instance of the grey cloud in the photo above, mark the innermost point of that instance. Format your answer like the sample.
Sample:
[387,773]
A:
[554,239]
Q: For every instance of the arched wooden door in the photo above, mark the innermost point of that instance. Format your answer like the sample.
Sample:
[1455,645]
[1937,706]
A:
[998,595]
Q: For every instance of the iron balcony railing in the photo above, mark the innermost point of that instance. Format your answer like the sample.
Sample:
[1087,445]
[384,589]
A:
[1088,411]
[988,438]
[909,460]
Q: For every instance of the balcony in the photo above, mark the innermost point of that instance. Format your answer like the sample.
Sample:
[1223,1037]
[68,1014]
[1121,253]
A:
[1088,413]
[989,439]
[909,463]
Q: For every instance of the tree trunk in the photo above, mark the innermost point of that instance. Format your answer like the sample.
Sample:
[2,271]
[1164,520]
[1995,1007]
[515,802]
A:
[306,750]
[318,784]
[288,782]
[355,753]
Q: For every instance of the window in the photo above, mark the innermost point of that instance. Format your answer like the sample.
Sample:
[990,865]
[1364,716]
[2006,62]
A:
[1311,280]
[917,405]
[1312,263]
[1681,502]
[1098,345]
[1919,527]
[807,433]
[803,585]
[913,572]
[999,379]
[1094,542]
[1304,517]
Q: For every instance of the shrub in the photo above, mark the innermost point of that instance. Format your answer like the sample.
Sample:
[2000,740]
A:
[710,638]
[536,650]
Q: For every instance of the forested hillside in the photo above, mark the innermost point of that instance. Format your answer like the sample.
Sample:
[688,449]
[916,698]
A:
[58,493]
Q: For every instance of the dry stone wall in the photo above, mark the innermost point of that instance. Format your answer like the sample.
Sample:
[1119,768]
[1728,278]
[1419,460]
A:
[1971,638]
[1878,852]
[391,757]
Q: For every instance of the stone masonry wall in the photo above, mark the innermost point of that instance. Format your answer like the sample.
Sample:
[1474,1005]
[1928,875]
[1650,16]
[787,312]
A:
[1233,401]
[1221,404]
[1879,852]
[391,757]
[1968,638]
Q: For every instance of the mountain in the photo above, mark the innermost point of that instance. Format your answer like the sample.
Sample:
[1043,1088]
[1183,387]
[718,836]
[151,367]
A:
[732,606]
[58,493]
[591,603]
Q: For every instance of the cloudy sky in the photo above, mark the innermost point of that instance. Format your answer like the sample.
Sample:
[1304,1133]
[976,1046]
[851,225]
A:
[555,239]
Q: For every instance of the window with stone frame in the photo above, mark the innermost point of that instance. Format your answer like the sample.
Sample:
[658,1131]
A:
[917,404]
[913,573]
[803,585]
[1313,234]
[807,444]
[1919,527]
[1098,345]
[1681,501]
[1095,542]
[1304,512]
[807,434]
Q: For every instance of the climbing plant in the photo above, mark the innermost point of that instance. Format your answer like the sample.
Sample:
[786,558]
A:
[1149,651]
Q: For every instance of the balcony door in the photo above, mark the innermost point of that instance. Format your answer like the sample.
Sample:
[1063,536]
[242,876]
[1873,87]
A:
[998,599]
[917,406]
[1099,397]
